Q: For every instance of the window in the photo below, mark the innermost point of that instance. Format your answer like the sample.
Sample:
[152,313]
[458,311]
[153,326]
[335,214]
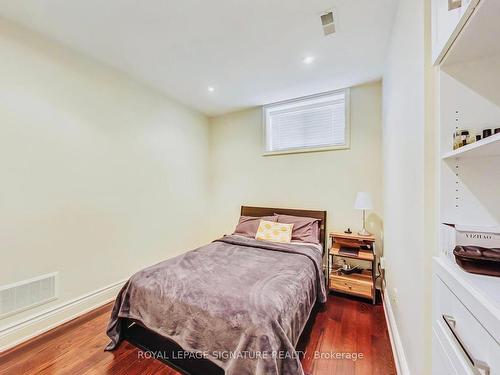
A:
[319,122]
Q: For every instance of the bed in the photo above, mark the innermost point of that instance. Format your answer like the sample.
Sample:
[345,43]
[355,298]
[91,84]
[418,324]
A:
[234,306]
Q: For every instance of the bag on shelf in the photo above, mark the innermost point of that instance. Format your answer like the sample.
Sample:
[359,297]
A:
[479,260]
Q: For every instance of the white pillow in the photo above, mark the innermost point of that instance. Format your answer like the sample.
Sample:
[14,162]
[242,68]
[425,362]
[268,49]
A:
[274,232]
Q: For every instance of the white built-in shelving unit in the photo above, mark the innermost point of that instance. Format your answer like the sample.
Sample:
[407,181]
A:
[469,98]
[466,54]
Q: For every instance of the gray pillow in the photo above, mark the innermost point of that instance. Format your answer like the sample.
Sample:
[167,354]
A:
[248,225]
[305,229]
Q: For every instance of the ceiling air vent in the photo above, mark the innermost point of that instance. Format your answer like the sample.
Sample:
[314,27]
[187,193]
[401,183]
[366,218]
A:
[328,22]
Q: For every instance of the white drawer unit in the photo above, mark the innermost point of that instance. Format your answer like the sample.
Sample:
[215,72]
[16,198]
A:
[446,358]
[448,18]
[461,344]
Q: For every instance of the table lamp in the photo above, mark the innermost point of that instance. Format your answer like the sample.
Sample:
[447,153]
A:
[363,202]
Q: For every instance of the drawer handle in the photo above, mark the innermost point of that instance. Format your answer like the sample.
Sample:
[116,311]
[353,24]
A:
[480,367]
[454,4]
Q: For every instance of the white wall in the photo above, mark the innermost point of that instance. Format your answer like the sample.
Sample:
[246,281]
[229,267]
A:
[319,180]
[99,175]
[408,184]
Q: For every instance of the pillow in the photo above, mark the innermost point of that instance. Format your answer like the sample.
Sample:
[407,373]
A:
[305,229]
[247,226]
[274,232]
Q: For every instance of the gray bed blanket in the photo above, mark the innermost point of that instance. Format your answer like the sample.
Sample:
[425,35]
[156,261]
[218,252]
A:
[239,302]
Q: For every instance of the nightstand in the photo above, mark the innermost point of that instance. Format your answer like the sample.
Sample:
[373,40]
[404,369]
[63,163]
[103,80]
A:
[360,248]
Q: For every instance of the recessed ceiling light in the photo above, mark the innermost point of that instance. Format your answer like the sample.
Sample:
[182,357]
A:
[308,60]
[210,89]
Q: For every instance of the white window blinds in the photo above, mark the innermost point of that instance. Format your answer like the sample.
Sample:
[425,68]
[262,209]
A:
[313,122]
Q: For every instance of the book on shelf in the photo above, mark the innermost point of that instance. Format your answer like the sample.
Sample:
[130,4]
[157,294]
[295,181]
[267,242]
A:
[351,251]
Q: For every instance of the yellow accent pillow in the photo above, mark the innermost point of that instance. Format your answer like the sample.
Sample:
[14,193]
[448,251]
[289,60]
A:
[274,232]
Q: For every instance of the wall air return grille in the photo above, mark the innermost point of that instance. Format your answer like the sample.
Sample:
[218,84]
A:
[27,294]
[328,22]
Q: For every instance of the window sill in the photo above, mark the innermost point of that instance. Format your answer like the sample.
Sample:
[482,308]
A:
[305,150]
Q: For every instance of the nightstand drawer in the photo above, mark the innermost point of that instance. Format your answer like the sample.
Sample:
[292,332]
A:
[354,284]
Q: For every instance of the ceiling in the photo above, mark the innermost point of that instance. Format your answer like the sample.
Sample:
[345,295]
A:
[250,51]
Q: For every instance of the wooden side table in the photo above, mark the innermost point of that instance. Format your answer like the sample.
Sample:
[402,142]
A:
[353,246]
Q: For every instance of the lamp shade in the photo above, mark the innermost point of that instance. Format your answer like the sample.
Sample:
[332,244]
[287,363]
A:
[363,201]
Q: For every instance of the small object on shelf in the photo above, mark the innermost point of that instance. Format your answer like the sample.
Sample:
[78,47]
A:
[456,139]
[352,251]
[350,270]
[479,260]
[486,133]
[464,138]
[471,138]
[497,130]
[478,137]
[348,231]
[363,202]
[454,4]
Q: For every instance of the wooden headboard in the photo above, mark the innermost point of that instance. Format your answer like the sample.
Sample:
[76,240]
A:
[270,211]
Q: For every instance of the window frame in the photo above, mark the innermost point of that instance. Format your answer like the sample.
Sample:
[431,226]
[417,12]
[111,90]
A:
[298,150]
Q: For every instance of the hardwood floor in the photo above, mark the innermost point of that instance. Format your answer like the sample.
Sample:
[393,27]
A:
[351,326]
[344,325]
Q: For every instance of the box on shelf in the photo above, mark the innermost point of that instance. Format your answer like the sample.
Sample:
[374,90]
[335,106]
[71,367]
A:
[468,235]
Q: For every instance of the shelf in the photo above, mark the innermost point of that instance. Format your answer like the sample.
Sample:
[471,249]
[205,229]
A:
[365,277]
[484,148]
[479,38]
[473,228]
[353,236]
[362,254]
